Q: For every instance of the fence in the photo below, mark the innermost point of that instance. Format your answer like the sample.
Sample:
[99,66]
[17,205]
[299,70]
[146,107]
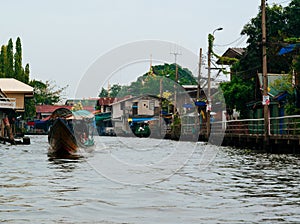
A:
[278,126]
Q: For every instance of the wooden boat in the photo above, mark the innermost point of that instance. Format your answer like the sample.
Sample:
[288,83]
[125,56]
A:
[70,131]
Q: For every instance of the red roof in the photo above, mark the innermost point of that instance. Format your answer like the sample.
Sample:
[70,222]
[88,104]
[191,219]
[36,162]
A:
[89,108]
[49,108]
[104,101]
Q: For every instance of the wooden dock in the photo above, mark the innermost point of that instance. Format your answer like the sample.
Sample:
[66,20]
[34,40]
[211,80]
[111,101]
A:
[16,141]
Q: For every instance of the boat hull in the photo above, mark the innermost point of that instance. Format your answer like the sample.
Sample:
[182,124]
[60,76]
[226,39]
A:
[61,139]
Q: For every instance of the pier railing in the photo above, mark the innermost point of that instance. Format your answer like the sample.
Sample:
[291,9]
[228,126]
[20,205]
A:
[288,126]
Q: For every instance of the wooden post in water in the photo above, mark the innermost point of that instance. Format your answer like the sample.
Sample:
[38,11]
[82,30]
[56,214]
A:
[265,74]
[197,119]
[160,105]
[175,53]
[199,74]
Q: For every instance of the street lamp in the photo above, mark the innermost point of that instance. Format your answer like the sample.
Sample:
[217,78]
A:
[218,29]
[210,46]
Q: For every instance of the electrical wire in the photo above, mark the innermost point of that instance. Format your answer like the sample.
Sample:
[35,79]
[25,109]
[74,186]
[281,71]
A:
[224,45]
[283,2]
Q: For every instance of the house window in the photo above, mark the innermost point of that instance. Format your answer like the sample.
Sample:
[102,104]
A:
[135,108]
[151,105]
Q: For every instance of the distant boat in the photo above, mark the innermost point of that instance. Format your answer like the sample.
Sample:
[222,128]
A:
[142,131]
[70,131]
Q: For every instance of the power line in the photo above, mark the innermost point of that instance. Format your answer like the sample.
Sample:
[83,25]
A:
[224,45]
[241,41]
[284,1]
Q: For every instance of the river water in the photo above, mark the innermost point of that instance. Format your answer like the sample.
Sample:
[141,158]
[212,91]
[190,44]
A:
[134,180]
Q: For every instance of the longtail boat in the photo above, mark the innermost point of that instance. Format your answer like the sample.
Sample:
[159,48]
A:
[70,131]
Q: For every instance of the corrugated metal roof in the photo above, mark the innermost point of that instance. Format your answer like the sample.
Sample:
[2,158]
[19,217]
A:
[233,52]
[11,85]
[271,79]
[49,108]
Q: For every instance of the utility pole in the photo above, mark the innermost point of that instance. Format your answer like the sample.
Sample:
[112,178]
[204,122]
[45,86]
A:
[208,87]
[265,73]
[211,39]
[175,53]
[160,104]
[197,123]
[199,74]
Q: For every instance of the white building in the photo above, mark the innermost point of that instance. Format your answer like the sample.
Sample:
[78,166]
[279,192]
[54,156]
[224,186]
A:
[136,107]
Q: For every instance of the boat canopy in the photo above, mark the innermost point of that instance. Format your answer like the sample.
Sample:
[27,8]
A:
[82,114]
[61,112]
[68,114]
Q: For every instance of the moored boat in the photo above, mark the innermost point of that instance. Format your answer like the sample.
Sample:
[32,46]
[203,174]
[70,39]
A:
[142,130]
[70,131]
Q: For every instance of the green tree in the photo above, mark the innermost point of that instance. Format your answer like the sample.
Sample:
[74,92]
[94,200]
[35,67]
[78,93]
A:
[9,73]
[3,61]
[114,90]
[185,76]
[11,63]
[292,17]
[19,71]
[29,108]
[103,93]
[251,62]
[149,83]
[46,93]
[236,95]
[26,73]
[281,23]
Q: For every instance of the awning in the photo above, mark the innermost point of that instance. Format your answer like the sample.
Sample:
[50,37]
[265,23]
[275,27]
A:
[287,49]
[200,103]
[102,116]
[140,119]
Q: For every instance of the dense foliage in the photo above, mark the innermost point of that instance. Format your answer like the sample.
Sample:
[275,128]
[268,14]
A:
[150,82]
[11,62]
[281,23]
[46,93]
[111,92]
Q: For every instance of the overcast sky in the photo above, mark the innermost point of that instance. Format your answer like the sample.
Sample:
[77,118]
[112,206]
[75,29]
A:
[63,38]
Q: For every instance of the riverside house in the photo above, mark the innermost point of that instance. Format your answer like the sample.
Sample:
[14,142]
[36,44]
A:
[134,109]
[16,91]
[12,98]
